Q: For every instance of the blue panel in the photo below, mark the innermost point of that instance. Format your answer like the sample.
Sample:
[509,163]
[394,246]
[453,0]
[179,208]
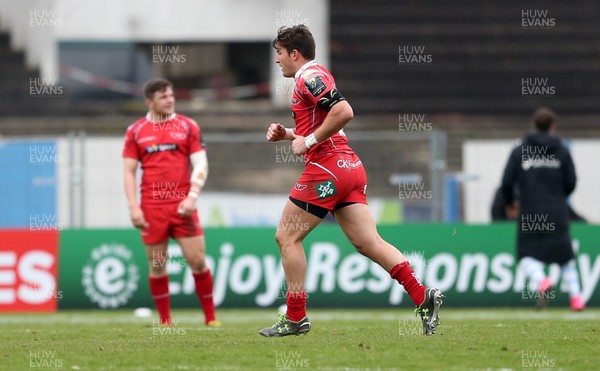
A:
[28,184]
[451,208]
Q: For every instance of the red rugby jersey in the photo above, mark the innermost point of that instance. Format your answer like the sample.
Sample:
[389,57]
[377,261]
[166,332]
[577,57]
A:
[163,148]
[314,82]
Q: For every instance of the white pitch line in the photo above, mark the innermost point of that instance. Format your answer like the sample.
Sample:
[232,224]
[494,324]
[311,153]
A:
[524,315]
[196,319]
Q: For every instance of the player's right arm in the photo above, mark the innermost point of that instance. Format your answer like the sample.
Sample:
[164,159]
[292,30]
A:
[509,178]
[135,212]
[277,132]
[570,178]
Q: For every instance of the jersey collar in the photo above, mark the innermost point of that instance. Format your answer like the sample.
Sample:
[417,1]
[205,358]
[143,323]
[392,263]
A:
[304,67]
[171,117]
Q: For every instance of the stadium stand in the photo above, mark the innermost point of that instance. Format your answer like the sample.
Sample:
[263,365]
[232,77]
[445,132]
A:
[479,54]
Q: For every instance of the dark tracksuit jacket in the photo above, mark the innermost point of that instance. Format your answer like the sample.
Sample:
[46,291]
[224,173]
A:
[542,170]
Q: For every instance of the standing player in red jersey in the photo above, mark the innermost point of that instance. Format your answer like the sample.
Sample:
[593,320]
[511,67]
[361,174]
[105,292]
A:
[174,168]
[334,181]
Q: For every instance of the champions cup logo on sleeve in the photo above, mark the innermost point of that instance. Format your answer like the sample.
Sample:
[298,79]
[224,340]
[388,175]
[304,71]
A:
[315,86]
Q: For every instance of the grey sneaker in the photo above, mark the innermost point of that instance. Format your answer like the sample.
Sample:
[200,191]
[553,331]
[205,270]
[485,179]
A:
[285,327]
[429,309]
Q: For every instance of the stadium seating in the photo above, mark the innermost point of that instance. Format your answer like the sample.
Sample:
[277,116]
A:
[479,54]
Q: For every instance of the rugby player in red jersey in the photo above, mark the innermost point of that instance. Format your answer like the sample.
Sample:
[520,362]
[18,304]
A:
[174,168]
[334,181]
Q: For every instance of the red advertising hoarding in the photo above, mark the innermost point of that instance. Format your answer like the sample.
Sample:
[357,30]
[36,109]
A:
[28,271]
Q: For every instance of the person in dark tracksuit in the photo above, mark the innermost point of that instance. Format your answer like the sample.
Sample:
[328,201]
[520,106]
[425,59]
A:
[543,173]
[502,212]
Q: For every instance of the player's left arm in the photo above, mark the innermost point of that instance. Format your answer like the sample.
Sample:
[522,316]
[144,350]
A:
[339,114]
[509,178]
[199,174]
[337,118]
[199,163]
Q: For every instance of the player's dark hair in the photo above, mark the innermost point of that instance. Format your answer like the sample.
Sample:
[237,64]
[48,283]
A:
[543,118]
[296,37]
[155,85]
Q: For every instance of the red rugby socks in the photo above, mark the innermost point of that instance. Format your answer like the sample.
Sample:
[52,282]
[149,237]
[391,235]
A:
[404,274]
[296,305]
[159,288]
[204,290]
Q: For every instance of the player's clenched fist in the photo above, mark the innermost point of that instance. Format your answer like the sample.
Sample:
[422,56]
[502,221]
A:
[276,132]
[186,207]
[137,217]
[299,145]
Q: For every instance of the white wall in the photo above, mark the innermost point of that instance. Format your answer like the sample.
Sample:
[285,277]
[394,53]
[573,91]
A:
[586,198]
[486,159]
[90,191]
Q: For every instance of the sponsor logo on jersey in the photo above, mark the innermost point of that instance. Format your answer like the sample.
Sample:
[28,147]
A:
[325,189]
[178,135]
[161,147]
[145,139]
[347,164]
[299,187]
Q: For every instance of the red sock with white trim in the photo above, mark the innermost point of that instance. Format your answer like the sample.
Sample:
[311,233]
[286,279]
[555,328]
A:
[296,305]
[204,290]
[404,274]
[159,288]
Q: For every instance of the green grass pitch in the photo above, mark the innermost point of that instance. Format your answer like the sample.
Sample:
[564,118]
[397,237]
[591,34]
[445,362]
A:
[467,339]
